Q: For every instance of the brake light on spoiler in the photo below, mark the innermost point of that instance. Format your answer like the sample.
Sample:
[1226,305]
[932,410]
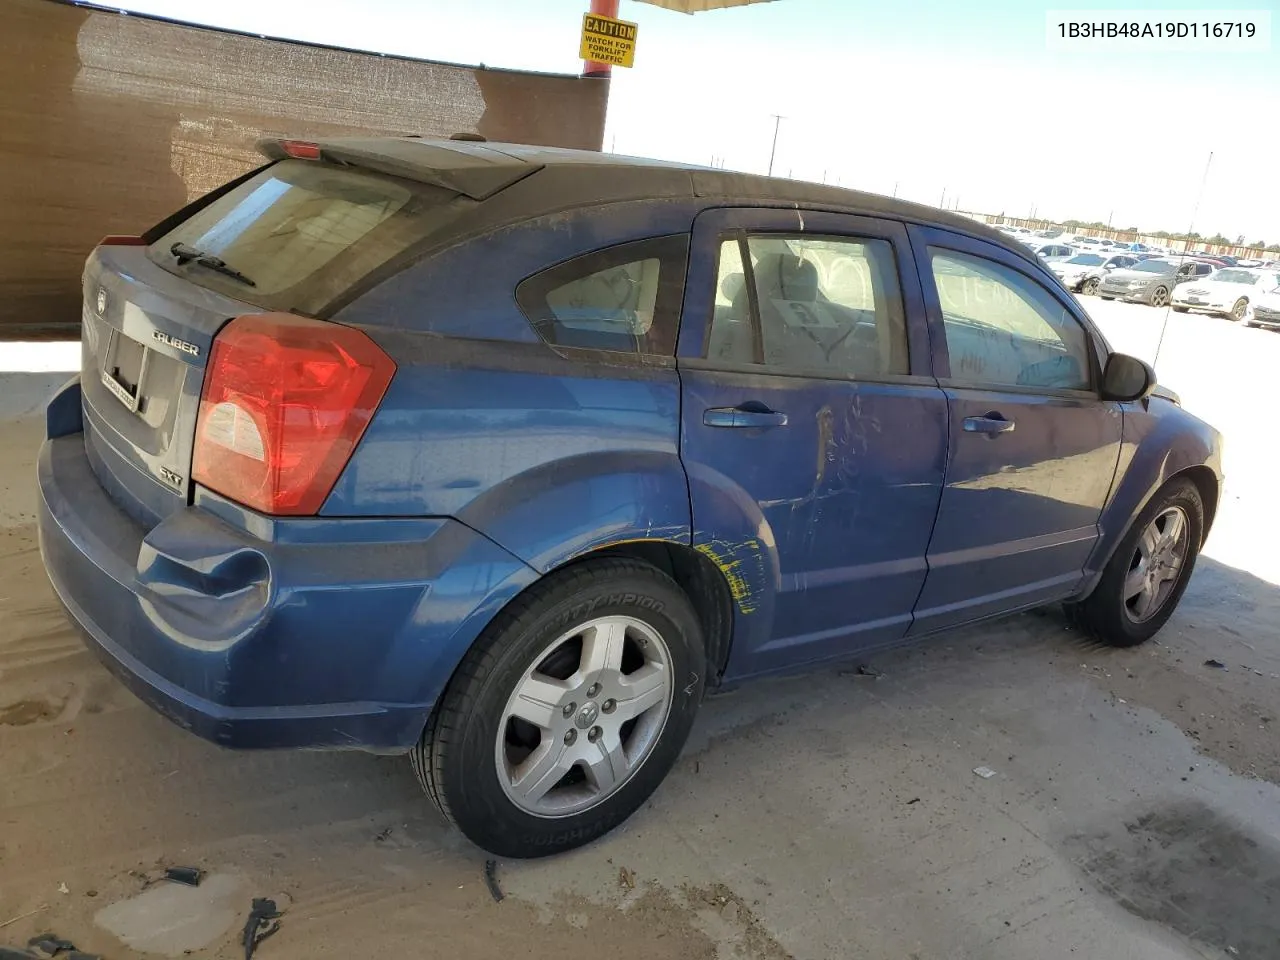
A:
[285,401]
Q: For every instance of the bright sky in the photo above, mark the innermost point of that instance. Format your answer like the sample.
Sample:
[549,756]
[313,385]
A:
[921,97]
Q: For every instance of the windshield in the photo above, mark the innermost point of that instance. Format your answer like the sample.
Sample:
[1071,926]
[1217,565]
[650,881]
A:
[1236,276]
[1087,259]
[1155,266]
[303,232]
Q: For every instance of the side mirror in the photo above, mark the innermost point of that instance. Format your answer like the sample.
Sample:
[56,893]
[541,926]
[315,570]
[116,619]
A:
[1127,378]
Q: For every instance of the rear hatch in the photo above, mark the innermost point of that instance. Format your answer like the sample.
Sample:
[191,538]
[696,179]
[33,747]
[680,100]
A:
[300,236]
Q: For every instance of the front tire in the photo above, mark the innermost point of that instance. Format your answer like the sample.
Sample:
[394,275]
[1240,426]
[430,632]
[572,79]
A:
[1178,309]
[568,712]
[1146,576]
[1159,297]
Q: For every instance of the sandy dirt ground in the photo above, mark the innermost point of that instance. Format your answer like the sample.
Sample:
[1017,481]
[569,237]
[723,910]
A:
[1133,812]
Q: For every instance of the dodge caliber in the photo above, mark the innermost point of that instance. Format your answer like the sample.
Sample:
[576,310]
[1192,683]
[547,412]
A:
[500,457]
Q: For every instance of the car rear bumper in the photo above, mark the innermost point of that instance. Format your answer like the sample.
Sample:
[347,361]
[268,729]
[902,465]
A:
[325,633]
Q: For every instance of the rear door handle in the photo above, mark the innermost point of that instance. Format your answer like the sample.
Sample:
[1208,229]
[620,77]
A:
[740,418]
[992,424]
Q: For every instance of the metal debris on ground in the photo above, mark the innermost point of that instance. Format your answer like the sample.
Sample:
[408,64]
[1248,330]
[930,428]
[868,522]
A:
[383,834]
[491,880]
[913,800]
[50,944]
[46,945]
[861,670]
[191,876]
[626,878]
[986,773]
[1216,664]
[264,920]
[32,913]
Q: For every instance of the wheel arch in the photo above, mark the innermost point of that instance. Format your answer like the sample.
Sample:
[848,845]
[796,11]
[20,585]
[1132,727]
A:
[696,575]
[1207,486]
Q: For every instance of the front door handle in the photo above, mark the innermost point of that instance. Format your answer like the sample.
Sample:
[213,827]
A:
[992,424]
[742,418]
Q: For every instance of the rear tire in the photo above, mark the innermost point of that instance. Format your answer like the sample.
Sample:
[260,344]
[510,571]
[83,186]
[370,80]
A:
[1117,612]
[1090,286]
[1238,310]
[543,740]
[1181,309]
[1105,297]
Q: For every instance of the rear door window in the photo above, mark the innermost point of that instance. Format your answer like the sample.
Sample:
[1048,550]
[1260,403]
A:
[822,306]
[301,234]
[624,298]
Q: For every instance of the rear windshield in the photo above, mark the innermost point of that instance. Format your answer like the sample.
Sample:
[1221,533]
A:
[301,234]
[1236,276]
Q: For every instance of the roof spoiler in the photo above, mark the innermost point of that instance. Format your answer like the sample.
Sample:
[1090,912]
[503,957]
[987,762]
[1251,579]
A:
[469,168]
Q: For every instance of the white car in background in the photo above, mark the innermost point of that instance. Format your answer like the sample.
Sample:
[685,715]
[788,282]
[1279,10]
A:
[1265,311]
[1229,292]
[1050,252]
[1084,272]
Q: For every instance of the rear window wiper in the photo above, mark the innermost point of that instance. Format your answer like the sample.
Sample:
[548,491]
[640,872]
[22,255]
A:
[185,254]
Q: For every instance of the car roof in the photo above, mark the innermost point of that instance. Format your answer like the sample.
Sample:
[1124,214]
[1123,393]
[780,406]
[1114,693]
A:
[578,178]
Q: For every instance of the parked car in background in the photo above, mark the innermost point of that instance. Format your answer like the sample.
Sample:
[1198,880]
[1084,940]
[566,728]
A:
[1228,292]
[1081,241]
[1136,247]
[1084,272]
[1264,311]
[1050,252]
[317,488]
[1150,281]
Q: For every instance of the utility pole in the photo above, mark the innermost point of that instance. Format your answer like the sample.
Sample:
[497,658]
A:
[895,188]
[943,202]
[777,122]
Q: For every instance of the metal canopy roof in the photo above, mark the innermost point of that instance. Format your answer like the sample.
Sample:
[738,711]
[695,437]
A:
[699,6]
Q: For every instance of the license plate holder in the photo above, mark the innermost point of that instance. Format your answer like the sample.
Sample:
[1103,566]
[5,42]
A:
[124,369]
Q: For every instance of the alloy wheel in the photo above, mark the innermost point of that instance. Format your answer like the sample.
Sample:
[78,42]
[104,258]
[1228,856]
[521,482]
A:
[1240,308]
[584,717]
[1160,298]
[1156,565]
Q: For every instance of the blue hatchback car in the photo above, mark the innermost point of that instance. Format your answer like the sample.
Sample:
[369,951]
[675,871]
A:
[500,456]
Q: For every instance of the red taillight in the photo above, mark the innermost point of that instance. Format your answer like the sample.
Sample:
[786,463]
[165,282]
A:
[286,399]
[121,240]
[300,149]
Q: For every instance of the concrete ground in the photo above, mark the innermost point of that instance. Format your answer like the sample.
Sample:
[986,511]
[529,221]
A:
[1132,815]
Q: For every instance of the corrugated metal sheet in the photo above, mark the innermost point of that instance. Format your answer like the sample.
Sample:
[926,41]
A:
[108,123]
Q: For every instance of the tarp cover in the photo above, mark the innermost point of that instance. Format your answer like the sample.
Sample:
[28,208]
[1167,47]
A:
[699,6]
[108,123]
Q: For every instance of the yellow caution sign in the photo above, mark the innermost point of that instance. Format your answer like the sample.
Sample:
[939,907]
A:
[606,40]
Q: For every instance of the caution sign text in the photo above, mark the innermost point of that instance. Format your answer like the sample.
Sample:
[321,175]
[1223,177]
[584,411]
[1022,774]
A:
[606,40]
